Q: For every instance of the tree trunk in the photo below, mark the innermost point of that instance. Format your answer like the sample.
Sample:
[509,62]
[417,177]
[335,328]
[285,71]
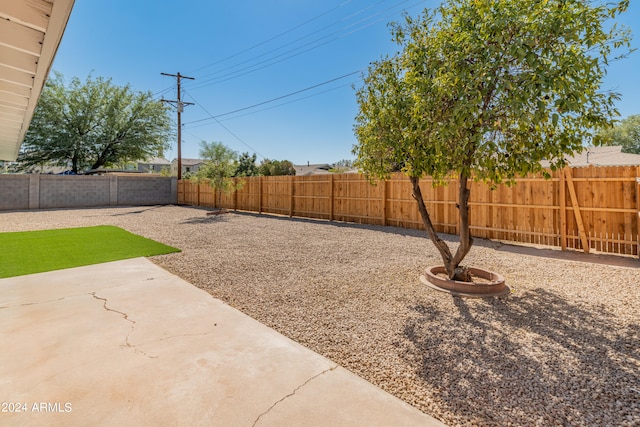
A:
[426,220]
[102,157]
[74,163]
[465,234]
[451,262]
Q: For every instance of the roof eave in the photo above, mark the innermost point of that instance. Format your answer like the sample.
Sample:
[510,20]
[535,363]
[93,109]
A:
[60,12]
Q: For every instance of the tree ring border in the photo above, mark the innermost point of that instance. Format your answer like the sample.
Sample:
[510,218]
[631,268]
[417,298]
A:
[497,287]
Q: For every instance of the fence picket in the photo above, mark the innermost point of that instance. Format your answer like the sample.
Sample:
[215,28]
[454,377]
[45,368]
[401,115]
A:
[605,203]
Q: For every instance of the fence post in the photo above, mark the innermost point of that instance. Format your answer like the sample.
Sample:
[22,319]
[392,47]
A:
[331,197]
[638,208]
[384,202]
[290,196]
[260,195]
[563,210]
[198,194]
[235,194]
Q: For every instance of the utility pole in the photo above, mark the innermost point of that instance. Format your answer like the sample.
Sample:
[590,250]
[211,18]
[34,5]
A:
[179,107]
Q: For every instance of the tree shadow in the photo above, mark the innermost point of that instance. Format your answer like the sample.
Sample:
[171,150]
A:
[210,219]
[453,240]
[536,357]
[142,210]
[341,224]
[569,255]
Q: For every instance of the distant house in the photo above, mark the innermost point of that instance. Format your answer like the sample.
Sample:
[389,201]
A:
[318,169]
[190,166]
[601,156]
[306,170]
[154,165]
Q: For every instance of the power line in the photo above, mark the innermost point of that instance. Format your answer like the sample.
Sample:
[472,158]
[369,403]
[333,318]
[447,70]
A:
[248,69]
[194,135]
[252,68]
[275,99]
[314,44]
[283,103]
[224,127]
[274,37]
[292,42]
[163,91]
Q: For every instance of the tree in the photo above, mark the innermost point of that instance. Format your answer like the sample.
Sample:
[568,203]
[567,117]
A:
[484,90]
[341,166]
[344,163]
[626,133]
[93,124]
[276,167]
[220,164]
[247,165]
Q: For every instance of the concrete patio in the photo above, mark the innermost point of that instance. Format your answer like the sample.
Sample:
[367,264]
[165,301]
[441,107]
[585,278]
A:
[127,343]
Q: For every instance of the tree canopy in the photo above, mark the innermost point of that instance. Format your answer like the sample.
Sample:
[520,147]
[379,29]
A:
[220,164]
[87,125]
[276,167]
[625,133]
[247,165]
[486,89]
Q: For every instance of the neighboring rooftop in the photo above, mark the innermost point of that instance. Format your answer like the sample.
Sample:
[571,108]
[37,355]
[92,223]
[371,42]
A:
[188,162]
[155,161]
[308,169]
[320,169]
[601,156]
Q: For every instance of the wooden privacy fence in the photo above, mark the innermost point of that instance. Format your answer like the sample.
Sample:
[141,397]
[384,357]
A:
[578,208]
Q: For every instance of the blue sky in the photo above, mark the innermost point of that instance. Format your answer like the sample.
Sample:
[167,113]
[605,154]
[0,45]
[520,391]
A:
[244,53]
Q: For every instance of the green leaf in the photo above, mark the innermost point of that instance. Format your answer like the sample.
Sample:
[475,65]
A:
[488,88]
[93,124]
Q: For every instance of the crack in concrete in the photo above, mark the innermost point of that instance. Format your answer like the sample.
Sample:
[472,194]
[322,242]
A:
[293,393]
[125,316]
[170,337]
[27,304]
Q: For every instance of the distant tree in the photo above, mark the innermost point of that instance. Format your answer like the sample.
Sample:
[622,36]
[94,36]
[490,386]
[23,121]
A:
[626,133]
[341,166]
[344,163]
[247,165]
[485,90]
[220,164]
[94,124]
[276,167]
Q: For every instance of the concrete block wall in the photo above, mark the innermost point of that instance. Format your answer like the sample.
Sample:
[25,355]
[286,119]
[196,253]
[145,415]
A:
[133,190]
[14,192]
[63,191]
[20,192]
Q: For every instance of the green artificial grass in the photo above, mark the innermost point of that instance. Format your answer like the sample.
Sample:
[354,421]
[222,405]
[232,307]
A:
[31,252]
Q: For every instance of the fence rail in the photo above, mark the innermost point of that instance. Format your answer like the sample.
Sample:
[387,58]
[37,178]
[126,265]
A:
[592,208]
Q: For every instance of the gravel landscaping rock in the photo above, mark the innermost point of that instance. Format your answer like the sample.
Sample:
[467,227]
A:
[561,349]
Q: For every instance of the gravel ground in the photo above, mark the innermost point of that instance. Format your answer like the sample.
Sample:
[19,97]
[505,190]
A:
[561,349]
